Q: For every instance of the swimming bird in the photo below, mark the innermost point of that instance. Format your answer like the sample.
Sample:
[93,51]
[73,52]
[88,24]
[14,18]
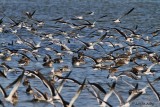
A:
[54,73]
[112,71]
[15,98]
[65,68]
[138,67]
[58,60]
[24,60]
[77,61]
[26,81]
[11,51]
[156,32]
[6,57]
[48,61]
[122,61]
[29,89]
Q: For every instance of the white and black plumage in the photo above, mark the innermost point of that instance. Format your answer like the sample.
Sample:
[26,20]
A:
[38,75]
[148,71]
[77,94]
[132,97]
[118,20]
[42,97]
[108,94]
[16,84]
[154,90]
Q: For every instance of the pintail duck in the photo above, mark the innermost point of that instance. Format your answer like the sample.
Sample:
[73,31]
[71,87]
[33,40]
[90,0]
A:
[56,72]
[29,90]
[26,82]
[137,69]
[6,57]
[141,56]
[112,71]
[11,51]
[48,64]
[65,68]
[76,61]
[24,61]
[121,62]
[58,60]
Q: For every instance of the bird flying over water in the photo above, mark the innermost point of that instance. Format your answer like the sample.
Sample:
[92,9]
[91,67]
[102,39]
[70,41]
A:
[125,14]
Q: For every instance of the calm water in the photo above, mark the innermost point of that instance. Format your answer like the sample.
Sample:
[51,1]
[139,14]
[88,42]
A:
[146,16]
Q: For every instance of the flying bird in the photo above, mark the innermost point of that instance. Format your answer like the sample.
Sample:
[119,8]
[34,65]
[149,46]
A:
[118,20]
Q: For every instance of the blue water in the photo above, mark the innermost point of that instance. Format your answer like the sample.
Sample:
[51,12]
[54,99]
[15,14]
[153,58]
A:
[145,16]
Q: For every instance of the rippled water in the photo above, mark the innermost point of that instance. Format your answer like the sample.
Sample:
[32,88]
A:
[146,16]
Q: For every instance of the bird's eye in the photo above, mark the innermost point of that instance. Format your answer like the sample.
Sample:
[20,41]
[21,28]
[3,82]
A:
[26,72]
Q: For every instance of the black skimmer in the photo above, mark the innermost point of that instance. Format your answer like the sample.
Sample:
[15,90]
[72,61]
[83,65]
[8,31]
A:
[118,20]
[16,84]
[30,14]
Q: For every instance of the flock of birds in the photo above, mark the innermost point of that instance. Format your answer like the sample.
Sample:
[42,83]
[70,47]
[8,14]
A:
[71,43]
